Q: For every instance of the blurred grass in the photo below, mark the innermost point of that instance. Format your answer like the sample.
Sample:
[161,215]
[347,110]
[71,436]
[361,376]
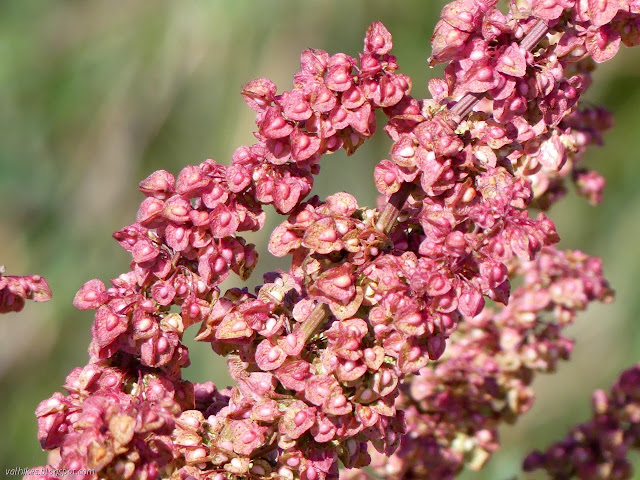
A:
[95,95]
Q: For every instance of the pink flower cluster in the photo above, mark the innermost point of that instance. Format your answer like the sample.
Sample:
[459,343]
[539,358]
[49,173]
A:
[185,243]
[15,290]
[453,407]
[375,346]
[599,447]
[533,96]
[117,420]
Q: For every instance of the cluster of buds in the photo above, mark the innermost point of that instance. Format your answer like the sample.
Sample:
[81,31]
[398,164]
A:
[375,345]
[185,242]
[115,420]
[14,290]
[533,93]
[598,448]
[454,407]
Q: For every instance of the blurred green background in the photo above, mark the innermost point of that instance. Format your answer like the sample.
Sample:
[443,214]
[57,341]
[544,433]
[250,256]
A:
[95,95]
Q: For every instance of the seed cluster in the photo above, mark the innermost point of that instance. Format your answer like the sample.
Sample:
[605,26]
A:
[376,346]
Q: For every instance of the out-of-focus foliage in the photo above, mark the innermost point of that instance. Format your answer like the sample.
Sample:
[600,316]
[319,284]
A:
[94,95]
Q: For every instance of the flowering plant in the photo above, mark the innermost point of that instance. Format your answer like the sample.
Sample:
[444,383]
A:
[376,347]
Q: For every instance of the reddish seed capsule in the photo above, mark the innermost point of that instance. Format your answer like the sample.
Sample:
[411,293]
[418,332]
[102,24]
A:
[270,325]
[484,74]
[465,17]
[219,265]
[389,178]
[162,345]
[342,281]
[144,325]
[324,96]
[238,178]
[288,237]
[239,326]
[273,355]
[112,322]
[225,219]
[351,344]
[370,354]
[407,152]
[179,211]
[216,193]
[340,115]
[496,132]
[413,319]
[278,122]
[414,353]
[110,382]
[515,104]
[446,141]
[300,418]
[570,93]
[304,142]
[454,36]
[266,411]
[283,190]
[303,216]
[90,296]
[378,41]
[328,236]
[179,233]
[332,142]
[339,401]
[476,55]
